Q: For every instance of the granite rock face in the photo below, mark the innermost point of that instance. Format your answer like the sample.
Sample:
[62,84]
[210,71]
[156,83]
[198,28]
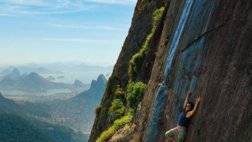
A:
[199,45]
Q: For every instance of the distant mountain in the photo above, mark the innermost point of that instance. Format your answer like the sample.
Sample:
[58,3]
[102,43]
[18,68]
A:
[14,74]
[78,83]
[16,125]
[77,113]
[33,82]
[17,129]
[62,72]
[8,70]
[26,69]
[27,109]
[95,92]
[81,108]
[7,105]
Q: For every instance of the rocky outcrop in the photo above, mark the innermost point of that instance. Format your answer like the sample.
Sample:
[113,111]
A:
[133,43]
[199,45]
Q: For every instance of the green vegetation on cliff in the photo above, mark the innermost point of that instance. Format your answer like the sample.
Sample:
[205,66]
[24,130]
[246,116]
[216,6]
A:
[136,61]
[135,92]
[125,100]
[120,112]
[117,108]
[105,135]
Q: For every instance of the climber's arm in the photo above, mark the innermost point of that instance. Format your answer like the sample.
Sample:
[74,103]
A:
[191,113]
[186,99]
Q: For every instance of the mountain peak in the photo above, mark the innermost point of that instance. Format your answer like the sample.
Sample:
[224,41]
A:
[15,71]
[13,74]
[96,89]
[78,83]
[101,78]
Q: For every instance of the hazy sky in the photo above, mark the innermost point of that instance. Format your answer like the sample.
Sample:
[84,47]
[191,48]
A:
[37,31]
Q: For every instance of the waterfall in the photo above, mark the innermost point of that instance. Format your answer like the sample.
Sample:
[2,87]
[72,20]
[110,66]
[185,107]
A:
[176,39]
[160,94]
[158,108]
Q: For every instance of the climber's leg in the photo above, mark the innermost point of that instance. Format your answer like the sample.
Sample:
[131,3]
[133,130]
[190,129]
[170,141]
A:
[172,132]
[181,134]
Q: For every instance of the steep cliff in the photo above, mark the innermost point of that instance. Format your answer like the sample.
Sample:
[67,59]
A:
[174,46]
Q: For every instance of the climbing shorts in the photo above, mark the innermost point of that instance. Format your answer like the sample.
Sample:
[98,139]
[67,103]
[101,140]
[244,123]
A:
[178,133]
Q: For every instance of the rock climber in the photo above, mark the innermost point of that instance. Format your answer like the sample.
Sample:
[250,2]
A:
[178,133]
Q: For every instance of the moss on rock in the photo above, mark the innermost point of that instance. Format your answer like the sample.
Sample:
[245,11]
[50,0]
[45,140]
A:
[136,61]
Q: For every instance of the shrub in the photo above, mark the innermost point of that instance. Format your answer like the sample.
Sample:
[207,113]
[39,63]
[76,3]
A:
[157,15]
[119,94]
[135,92]
[136,61]
[135,65]
[105,135]
[117,109]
